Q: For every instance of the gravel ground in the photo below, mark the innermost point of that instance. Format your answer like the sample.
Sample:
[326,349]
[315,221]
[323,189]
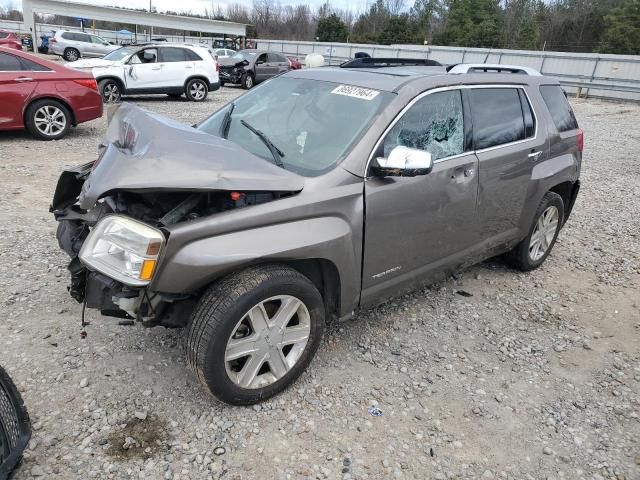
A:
[533,376]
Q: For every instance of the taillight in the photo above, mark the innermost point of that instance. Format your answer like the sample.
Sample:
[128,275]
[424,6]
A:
[580,140]
[53,40]
[217,67]
[87,82]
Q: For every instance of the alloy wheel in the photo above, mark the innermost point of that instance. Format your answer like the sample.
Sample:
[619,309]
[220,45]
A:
[543,233]
[111,93]
[197,90]
[50,120]
[249,82]
[267,342]
[72,55]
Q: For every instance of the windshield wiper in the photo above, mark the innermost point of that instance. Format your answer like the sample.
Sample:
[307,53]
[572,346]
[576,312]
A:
[226,121]
[275,151]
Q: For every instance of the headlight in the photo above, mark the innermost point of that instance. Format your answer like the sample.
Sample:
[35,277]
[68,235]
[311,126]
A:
[124,249]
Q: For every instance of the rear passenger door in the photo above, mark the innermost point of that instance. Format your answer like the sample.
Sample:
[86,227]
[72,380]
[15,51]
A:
[508,145]
[16,86]
[175,66]
[279,63]
[263,69]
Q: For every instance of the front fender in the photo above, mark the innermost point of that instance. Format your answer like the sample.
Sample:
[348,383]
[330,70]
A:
[200,262]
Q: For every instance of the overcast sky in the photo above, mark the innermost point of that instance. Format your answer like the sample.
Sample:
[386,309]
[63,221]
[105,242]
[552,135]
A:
[198,6]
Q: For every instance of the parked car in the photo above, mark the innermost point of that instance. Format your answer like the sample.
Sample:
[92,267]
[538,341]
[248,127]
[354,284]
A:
[74,45]
[10,40]
[225,53]
[248,67]
[165,68]
[294,62]
[44,97]
[322,192]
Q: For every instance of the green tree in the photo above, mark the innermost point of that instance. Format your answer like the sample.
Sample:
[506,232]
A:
[331,29]
[399,30]
[472,23]
[622,30]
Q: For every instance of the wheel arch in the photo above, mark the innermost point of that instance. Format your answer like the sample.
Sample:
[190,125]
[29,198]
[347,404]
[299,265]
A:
[55,99]
[568,191]
[115,78]
[197,77]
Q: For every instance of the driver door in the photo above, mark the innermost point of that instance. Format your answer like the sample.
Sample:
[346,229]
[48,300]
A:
[263,69]
[422,224]
[144,71]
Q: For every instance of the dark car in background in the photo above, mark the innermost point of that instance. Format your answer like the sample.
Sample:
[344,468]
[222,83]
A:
[44,97]
[10,40]
[248,67]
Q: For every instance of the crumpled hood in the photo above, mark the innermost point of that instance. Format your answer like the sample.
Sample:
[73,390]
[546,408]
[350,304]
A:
[232,62]
[86,63]
[146,151]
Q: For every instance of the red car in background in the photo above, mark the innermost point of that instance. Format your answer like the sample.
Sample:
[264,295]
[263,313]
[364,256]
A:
[44,97]
[10,40]
[295,63]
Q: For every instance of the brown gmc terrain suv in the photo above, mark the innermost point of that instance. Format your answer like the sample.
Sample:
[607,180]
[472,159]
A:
[317,193]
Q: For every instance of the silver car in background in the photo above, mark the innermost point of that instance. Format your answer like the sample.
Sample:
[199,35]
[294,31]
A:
[74,45]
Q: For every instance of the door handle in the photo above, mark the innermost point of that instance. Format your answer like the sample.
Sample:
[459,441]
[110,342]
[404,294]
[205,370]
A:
[24,79]
[156,68]
[535,156]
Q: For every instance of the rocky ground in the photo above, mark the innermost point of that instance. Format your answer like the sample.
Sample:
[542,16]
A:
[533,376]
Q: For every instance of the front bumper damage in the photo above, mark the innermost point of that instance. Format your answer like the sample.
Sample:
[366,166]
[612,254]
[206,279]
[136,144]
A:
[94,289]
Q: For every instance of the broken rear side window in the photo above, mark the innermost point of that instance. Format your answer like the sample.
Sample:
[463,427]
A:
[559,107]
[434,124]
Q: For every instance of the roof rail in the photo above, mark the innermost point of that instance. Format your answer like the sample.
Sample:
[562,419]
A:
[371,62]
[492,68]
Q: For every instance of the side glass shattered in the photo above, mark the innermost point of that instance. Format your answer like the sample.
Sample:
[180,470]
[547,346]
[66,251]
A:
[434,124]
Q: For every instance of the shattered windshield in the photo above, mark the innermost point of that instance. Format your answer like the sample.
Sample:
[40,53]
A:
[120,54]
[313,123]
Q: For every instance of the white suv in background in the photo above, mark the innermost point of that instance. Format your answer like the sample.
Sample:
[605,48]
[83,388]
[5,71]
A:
[73,45]
[157,68]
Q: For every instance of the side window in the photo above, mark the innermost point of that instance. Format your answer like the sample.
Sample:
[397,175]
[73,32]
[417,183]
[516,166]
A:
[33,66]
[83,37]
[262,58]
[172,54]
[68,36]
[98,40]
[435,123]
[497,116]
[559,107]
[9,63]
[274,57]
[4,34]
[192,56]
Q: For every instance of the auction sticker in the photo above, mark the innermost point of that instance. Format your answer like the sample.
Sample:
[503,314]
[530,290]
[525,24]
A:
[357,92]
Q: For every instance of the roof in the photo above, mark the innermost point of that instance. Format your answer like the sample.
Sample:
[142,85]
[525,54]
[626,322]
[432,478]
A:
[392,79]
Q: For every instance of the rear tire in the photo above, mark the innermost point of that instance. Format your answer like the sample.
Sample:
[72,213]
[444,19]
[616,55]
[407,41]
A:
[253,304]
[48,119]
[196,90]
[71,54]
[110,90]
[534,249]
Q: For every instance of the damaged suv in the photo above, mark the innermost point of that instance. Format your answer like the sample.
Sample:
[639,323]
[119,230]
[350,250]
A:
[315,194]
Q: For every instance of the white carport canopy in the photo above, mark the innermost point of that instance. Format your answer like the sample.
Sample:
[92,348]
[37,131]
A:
[134,17]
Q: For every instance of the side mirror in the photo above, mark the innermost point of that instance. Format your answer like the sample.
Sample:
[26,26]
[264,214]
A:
[404,162]
[259,62]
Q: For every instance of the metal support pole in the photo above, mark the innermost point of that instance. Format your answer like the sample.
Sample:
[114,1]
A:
[593,74]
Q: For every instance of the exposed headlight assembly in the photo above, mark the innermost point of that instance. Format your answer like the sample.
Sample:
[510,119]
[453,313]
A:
[123,249]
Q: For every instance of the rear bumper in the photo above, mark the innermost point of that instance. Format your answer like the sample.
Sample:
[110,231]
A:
[90,108]
[214,86]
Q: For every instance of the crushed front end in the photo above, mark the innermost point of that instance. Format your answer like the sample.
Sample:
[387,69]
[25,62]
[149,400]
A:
[115,214]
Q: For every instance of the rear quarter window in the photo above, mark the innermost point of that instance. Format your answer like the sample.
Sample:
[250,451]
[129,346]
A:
[9,63]
[3,35]
[559,107]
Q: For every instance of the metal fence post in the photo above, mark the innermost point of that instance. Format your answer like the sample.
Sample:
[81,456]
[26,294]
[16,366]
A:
[544,57]
[593,74]
[464,52]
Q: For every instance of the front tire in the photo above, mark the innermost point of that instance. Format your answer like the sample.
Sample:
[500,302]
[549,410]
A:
[196,90]
[247,81]
[253,333]
[531,252]
[48,119]
[110,90]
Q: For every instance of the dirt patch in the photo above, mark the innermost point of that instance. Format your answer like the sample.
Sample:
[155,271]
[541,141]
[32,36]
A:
[138,439]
